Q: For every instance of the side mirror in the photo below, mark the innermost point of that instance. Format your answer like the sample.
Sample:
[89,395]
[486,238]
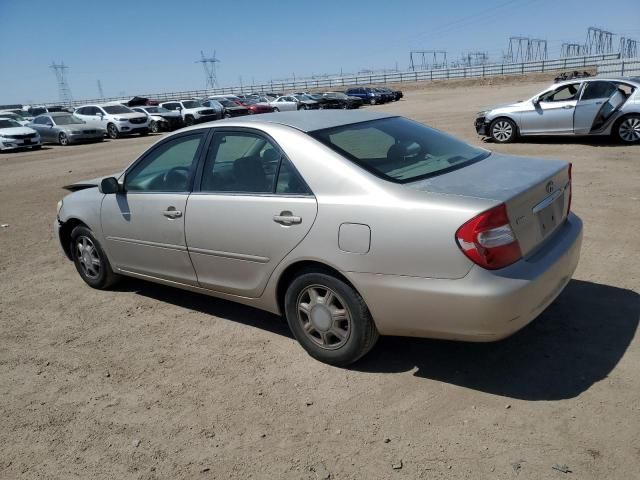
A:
[536,101]
[109,185]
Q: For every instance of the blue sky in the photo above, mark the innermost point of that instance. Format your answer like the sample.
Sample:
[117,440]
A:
[151,46]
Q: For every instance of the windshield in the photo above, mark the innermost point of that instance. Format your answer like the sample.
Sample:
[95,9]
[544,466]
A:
[8,123]
[191,104]
[399,149]
[10,115]
[37,111]
[155,110]
[114,109]
[227,103]
[67,120]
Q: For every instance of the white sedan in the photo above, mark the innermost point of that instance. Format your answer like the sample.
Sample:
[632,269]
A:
[286,103]
[13,135]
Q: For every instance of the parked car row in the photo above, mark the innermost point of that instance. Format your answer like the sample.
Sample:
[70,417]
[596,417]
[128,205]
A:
[91,122]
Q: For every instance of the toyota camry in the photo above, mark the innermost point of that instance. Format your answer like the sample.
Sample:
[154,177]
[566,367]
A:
[350,224]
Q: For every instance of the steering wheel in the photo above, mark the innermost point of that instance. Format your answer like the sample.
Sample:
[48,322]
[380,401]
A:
[177,176]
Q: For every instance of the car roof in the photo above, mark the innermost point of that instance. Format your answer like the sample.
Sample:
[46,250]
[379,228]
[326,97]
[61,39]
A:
[306,121]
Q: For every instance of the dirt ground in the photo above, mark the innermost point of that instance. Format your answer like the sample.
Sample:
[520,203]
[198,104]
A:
[148,382]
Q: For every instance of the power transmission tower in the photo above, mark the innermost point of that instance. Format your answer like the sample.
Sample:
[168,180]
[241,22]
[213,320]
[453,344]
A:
[100,89]
[64,92]
[526,49]
[427,59]
[472,59]
[571,50]
[209,66]
[598,41]
[628,47]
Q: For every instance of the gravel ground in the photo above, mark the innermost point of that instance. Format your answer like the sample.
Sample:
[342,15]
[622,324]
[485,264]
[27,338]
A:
[148,382]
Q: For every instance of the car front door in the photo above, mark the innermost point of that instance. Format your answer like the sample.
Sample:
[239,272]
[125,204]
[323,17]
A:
[595,94]
[251,210]
[143,226]
[43,125]
[552,113]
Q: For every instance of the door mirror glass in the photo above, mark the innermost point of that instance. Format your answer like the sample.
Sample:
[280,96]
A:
[109,185]
[536,101]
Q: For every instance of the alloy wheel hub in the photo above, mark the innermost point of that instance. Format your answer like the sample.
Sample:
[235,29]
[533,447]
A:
[321,318]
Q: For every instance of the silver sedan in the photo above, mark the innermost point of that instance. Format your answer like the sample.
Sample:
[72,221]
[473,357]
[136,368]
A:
[351,224]
[579,107]
[65,128]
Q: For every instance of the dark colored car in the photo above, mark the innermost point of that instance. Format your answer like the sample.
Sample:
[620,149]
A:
[306,102]
[366,94]
[256,105]
[340,100]
[387,95]
[394,94]
[232,109]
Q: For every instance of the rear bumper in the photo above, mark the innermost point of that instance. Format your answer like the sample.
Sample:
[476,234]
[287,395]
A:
[484,305]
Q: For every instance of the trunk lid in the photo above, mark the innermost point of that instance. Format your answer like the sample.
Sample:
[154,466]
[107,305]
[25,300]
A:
[535,191]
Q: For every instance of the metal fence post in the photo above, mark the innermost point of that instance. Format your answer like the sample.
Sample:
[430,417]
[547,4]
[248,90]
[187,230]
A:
[622,71]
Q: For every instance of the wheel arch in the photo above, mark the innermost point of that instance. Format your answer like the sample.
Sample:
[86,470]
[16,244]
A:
[295,269]
[65,234]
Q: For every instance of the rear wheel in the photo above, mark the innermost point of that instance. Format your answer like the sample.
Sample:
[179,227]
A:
[63,139]
[628,129]
[276,109]
[503,130]
[329,318]
[90,260]
[112,131]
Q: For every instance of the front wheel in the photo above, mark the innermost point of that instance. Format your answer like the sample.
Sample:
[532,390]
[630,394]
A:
[329,318]
[276,109]
[503,130]
[153,126]
[628,129]
[112,131]
[63,139]
[372,101]
[90,260]
[189,120]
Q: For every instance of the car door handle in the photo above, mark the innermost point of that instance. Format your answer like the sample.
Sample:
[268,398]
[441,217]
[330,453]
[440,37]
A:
[287,218]
[568,107]
[171,212]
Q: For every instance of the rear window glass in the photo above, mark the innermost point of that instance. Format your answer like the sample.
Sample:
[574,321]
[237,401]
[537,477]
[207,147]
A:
[399,149]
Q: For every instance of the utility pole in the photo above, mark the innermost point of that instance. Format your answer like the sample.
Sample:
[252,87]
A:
[100,91]
[209,67]
[64,92]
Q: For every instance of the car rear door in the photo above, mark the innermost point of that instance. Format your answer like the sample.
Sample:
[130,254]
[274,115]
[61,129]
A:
[594,96]
[251,210]
[143,226]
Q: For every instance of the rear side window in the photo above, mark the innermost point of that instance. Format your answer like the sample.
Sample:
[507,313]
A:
[598,89]
[399,149]
[244,162]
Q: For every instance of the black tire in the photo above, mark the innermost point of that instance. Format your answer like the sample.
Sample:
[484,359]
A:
[503,130]
[189,120]
[112,131]
[627,129]
[63,139]
[372,101]
[99,275]
[362,333]
[153,127]
[276,109]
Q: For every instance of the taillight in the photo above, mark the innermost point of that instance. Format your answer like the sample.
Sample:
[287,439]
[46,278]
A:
[488,239]
[570,189]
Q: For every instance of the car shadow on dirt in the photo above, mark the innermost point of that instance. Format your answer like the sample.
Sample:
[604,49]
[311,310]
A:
[575,343]
[223,309]
[595,141]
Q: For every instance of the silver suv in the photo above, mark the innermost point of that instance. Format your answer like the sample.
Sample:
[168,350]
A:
[587,106]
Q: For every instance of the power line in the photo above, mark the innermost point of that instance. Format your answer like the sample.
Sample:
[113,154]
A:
[209,67]
[64,92]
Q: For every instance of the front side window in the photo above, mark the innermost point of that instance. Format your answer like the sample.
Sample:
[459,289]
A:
[244,162]
[563,94]
[598,89]
[42,121]
[168,168]
[68,120]
[399,149]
